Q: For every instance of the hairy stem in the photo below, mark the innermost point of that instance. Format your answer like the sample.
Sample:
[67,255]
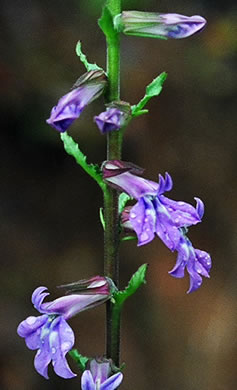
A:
[111,235]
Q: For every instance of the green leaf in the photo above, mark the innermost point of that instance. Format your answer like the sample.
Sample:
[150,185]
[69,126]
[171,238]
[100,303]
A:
[106,24]
[116,369]
[73,149]
[136,112]
[79,359]
[153,89]
[123,199]
[102,220]
[135,282]
[129,238]
[83,59]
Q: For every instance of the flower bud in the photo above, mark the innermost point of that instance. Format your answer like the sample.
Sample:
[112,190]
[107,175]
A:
[87,88]
[99,376]
[158,25]
[115,117]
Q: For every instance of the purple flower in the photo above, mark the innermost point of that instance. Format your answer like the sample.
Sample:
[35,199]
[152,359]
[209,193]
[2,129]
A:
[153,213]
[115,117]
[50,333]
[158,25]
[109,120]
[196,262]
[98,377]
[88,87]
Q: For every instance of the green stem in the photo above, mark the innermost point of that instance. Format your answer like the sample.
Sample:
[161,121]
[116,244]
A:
[111,235]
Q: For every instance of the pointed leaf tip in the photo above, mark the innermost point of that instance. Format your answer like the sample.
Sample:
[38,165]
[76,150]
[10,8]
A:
[84,60]
[155,87]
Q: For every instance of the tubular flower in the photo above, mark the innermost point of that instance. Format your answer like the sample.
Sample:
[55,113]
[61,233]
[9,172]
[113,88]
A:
[98,377]
[88,88]
[196,262]
[115,117]
[158,25]
[153,213]
[50,333]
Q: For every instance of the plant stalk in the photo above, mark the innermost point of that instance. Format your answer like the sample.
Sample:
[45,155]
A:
[111,235]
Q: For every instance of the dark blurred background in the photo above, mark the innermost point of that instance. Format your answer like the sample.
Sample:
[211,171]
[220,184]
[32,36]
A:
[50,229]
